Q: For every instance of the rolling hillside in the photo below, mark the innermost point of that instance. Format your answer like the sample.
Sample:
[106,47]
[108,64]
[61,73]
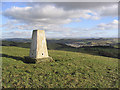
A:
[106,51]
[69,69]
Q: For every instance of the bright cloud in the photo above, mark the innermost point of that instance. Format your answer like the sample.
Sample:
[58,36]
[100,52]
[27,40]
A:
[47,14]
[109,26]
[53,16]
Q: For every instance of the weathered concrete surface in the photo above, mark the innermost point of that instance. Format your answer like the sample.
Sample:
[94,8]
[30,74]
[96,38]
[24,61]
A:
[38,46]
[38,50]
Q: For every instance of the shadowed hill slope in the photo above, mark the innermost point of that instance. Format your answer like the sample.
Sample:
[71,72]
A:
[106,51]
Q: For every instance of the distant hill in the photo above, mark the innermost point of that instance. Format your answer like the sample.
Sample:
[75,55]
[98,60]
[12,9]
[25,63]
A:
[18,39]
[60,44]
[61,40]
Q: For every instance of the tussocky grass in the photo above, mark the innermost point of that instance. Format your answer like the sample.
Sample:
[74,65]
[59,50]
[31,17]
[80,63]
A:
[69,70]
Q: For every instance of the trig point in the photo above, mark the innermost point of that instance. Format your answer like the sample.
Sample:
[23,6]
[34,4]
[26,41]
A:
[38,50]
[38,46]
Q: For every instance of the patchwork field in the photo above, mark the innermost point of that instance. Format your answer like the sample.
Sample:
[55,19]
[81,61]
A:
[69,69]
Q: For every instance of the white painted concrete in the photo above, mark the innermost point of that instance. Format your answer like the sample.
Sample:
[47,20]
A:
[38,45]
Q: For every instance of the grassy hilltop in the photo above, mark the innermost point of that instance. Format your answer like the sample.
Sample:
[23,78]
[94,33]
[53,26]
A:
[69,69]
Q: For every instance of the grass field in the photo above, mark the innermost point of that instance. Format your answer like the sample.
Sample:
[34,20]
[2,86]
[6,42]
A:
[69,69]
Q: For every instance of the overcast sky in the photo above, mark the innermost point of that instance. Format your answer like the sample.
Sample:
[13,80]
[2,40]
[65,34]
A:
[60,19]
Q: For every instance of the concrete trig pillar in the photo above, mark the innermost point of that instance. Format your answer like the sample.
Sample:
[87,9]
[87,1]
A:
[38,50]
[38,46]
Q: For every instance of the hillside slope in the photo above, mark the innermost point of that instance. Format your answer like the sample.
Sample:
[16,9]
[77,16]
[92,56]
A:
[70,69]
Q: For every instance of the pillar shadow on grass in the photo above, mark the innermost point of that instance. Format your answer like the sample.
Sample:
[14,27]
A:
[15,57]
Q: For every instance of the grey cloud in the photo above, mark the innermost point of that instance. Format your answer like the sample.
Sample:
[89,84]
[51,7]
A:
[74,5]
[51,17]
[47,14]
[61,13]
[111,10]
[108,10]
